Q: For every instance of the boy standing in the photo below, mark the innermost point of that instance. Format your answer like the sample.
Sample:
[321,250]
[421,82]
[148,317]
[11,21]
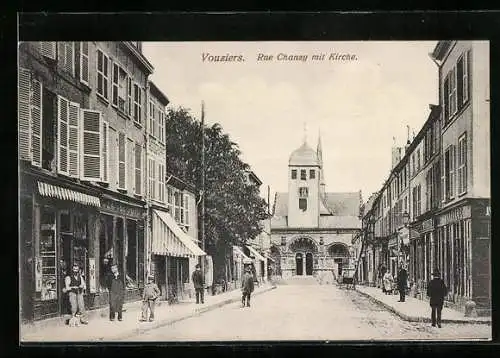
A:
[151,293]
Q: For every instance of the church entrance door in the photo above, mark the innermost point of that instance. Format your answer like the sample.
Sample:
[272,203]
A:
[298,264]
[309,264]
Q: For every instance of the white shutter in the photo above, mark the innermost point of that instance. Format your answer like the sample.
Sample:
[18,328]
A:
[129,96]
[91,145]
[74,140]
[84,62]
[23,113]
[114,86]
[36,122]
[62,135]
[70,57]
[122,155]
[138,169]
[105,152]
[48,49]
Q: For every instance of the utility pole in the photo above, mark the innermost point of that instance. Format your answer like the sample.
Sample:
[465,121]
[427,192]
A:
[203,184]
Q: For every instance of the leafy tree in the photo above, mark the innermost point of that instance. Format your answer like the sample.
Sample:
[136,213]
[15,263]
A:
[233,209]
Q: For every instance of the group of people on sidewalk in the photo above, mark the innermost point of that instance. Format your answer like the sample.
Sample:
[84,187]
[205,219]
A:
[436,290]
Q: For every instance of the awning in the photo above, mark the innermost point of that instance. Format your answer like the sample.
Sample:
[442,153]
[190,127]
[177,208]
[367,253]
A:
[239,253]
[256,254]
[57,192]
[170,240]
[269,258]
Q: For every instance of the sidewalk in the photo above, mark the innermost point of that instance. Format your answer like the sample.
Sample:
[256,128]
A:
[100,328]
[415,310]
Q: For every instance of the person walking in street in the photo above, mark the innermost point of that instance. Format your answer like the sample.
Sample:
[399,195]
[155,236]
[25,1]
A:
[151,293]
[198,283]
[116,288]
[402,283]
[74,286]
[381,272]
[388,281]
[247,287]
[436,290]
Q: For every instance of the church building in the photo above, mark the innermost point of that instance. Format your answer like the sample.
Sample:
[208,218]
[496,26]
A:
[312,229]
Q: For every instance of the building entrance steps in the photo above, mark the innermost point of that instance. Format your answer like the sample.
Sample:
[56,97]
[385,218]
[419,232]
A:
[415,310]
[100,328]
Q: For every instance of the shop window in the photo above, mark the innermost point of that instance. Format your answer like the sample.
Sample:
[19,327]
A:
[46,280]
[80,244]
[105,248]
[131,261]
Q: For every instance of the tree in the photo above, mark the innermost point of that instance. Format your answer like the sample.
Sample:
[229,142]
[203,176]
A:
[233,209]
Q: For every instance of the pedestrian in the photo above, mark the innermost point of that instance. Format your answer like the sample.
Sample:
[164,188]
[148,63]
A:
[381,272]
[74,286]
[247,287]
[436,290]
[402,283]
[116,288]
[151,293]
[388,280]
[199,284]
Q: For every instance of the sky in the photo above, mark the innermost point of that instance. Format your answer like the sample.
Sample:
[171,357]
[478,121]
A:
[360,106]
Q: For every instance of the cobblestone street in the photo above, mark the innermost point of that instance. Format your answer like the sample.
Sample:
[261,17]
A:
[300,312]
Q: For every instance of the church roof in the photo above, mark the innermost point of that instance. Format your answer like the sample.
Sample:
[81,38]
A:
[343,206]
[304,155]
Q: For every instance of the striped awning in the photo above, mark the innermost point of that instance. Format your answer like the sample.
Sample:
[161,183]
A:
[239,254]
[170,240]
[57,192]
[256,254]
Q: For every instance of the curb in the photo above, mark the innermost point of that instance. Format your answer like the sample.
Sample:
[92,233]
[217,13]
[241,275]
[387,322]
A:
[420,319]
[172,320]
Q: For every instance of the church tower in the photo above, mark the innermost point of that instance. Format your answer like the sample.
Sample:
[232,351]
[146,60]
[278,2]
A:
[303,187]
[319,152]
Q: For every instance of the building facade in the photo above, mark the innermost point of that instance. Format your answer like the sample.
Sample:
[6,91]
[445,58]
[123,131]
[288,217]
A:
[311,229]
[80,109]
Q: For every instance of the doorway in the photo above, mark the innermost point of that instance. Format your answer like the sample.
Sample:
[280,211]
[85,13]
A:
[309,264]
[299,264]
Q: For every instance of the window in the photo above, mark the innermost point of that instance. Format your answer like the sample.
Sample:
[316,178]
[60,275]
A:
[303,204]
[105,152]
[294,173]
[137,103]
[177,204]
[428,190]
[413,164]
[170,199]
[161,126]
[156,119]
[303,174]
[312,174]
[119,86]
[418,160]
[84,62]
[122,161]
[102,74]
[444,185]
[463,79]
[462,164]
[48,135]
[450,95]
[186,210]
[303,192]
[151,117]
[45,269]
[450,171]
[181,207]
[67,57]
[138,169]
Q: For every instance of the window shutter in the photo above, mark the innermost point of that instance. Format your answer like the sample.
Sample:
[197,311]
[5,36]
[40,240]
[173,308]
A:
[129,96]
[48,49]
[23,113]
[36,122]
[91,143]
[62,136]
[138,167]
[122,154]
[105,152]
[74,140]
[69,60]
[114,92]
[84,62]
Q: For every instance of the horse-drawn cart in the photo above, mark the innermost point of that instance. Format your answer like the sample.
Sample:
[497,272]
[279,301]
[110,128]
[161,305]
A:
[347,279]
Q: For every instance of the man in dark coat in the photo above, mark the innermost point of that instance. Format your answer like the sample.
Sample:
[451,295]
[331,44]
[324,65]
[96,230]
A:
[247,287]
[402,283]
[436,290]
[199,284]
[116,288]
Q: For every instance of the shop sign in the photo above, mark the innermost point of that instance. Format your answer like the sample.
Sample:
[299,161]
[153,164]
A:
[122,209]
[92,277]
[455,215]
[428,225]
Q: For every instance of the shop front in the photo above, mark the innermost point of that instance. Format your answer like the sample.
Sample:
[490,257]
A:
[58,229]
[463,252]
[174,257]
[121,242]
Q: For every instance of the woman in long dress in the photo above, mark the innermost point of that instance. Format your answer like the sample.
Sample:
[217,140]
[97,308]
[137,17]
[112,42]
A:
[388,282]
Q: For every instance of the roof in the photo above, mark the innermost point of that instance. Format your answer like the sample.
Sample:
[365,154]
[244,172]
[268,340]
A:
[370,202]
[440,50]
[304,155]
[339,222]
[158,94]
